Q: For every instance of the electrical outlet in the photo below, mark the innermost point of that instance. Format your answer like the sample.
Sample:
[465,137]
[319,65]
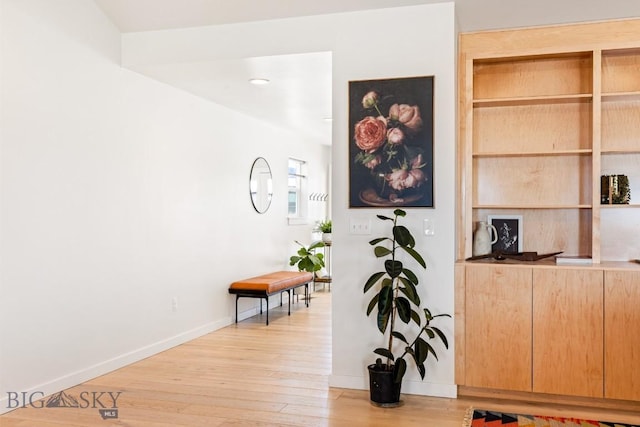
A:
[359,226]
[174,304]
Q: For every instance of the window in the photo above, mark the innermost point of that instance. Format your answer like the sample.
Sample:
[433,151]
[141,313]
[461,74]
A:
[297,186]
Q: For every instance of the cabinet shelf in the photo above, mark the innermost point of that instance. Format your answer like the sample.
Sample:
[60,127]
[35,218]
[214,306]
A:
[532,100]
[621,96]
[620,206]
[620,151]
[523,206]
[534,153]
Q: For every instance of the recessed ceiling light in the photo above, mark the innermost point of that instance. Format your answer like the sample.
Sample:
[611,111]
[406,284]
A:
[259,81]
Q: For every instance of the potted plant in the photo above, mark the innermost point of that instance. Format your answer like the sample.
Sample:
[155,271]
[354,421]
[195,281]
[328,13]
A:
[307,259]
[325,228]
[396,298]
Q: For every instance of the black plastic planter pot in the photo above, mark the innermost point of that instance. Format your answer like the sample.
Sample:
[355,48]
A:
[383,390]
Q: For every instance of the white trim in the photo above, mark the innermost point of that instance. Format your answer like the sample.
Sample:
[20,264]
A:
[297,221]
[422,388]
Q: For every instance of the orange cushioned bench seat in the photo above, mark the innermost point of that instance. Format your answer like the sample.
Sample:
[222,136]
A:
[270,284]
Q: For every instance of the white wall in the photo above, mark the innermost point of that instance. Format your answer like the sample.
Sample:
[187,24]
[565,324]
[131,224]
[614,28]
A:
[397,42]
[422,44]
[119,193]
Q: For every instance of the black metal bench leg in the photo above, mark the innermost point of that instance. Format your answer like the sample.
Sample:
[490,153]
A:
[237,308]
[267,299]
[307,294]
[289,300]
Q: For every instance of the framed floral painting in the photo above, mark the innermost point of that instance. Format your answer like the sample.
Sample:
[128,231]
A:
[391,142]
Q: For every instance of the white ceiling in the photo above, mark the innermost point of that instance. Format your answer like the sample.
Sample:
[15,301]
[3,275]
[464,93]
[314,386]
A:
[296,78]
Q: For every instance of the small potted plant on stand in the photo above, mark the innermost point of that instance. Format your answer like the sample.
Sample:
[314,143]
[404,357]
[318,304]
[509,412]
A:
[325,228]
[396,298]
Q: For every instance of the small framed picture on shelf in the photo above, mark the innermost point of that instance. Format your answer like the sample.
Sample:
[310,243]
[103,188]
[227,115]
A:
[509,229]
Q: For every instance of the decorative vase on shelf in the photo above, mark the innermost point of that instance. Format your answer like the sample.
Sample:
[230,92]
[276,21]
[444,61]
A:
[326,237]
[483,239]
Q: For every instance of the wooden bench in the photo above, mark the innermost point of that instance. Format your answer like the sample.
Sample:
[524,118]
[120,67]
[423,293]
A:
[270,284]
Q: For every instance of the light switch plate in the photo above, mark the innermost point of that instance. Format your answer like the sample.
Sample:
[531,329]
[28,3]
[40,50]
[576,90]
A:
[429,227]
[359,226]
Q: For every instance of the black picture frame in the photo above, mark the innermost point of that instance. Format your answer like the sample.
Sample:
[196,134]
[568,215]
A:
[510,232]
[391,142]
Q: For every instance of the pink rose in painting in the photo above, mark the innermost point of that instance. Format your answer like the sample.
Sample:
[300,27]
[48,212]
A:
[374,162]
[408,115]
[397,178]
[395,136]
[370,99]
[417,162]
[415,179]
[370,133]
[402,179]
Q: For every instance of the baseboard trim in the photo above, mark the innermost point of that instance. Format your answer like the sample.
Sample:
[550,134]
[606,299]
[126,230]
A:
[421,388]
[523,396]
[78,377]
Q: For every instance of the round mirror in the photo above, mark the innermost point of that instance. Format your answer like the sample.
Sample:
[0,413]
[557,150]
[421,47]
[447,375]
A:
[260,185]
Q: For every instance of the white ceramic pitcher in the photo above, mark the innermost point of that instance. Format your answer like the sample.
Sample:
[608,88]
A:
[483,238]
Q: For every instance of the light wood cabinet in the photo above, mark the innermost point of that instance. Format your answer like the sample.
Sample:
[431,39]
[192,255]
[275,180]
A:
[543,114]
[553,330]
[622,335]
[568,332]
[498,327]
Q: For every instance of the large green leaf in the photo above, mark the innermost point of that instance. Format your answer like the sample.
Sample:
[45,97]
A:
[381,251]
[410,291]
[442,336]
[294,260]
[404,309]
[394,268]
[422,370]
[384,353]
[415,255]
[378,240]
[385,301]
[432,351]
[421,348]
[411,276]
[399,212]
[383,321]
[416,318]
[399,368]
[372,304]
[403,236]
[401,337]
[373,280]
[316,245]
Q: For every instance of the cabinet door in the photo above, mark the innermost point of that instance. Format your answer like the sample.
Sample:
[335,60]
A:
[622,335]
[498,327]
[568,332]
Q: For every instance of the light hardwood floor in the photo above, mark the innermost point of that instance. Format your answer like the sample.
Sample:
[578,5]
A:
[250,374]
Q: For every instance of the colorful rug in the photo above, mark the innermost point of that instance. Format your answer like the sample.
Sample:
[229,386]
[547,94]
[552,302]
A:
[483,418]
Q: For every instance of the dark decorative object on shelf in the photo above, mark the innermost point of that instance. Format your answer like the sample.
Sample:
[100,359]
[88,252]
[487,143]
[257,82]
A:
[614,189]
[518,256]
